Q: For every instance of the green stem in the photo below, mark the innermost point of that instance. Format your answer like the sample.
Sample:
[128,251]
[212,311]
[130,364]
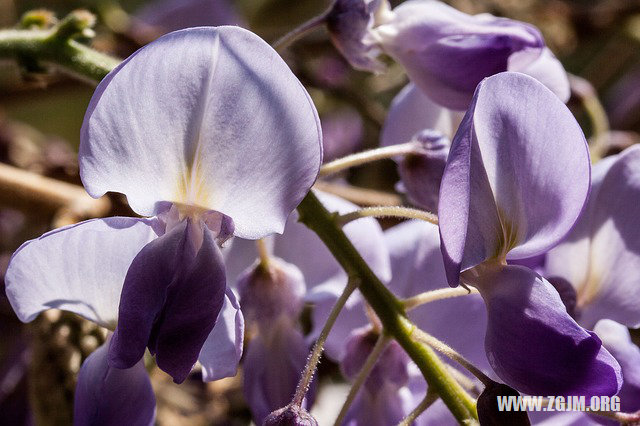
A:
[388,211]
[45,45]
[388,308]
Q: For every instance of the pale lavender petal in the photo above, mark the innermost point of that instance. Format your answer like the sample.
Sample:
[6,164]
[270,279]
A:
[447,53]
[616,338]
[222,350]
[108,396]
[272,369]
[410,112]
[544,67]
[220,122]
[515,181]
[534,345]
[170,302]
[79,268]
[386,407]
[612,288]
[303,248]
[417,266]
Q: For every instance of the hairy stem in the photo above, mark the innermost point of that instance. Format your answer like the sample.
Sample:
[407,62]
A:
[429,399]
[368,365]
[388,211]
[451,353]
[369,156]
[388,308]
[301,30]
[312,361]
[439,294]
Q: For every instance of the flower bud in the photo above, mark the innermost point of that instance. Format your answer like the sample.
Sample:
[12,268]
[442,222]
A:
[291,415]
[268,291]
[490,415]
[349,23]
[421,173]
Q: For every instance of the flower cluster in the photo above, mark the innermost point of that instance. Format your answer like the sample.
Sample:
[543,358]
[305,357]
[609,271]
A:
[527,280]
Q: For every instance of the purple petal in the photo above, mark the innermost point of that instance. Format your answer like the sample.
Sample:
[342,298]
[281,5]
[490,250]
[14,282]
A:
[447,53]
[221,123]
[534,345]
[342,133]
[348,24]
[616,338]
[417,266]
[410,112]
[222,350]
[79,268]
[272,368]
[110,396]
[602,254]
[545,68]
[170,302]
[517,177]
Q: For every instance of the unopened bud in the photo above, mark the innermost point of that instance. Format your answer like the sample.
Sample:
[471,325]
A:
[490,415]
[38,19]
[291,415]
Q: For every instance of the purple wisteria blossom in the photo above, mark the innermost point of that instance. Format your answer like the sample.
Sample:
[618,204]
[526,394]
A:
[516,180]
[307,271]
[207,131]
[111,396]
[271,296]
[445,52]
[599,260]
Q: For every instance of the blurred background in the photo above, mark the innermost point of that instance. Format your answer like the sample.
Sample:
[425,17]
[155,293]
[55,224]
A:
[41,113]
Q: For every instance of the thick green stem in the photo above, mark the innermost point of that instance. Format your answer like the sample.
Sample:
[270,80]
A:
[45,46]
[388,308]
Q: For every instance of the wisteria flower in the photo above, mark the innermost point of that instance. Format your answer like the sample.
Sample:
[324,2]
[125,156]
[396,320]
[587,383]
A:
[447,53]
[303,270]
[207,131]
[516,180]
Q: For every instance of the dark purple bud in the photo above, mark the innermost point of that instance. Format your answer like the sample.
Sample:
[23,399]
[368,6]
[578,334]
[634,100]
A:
[348,23]
[490,415]
[269,291]
[421,173]
[291,415]
[391,367]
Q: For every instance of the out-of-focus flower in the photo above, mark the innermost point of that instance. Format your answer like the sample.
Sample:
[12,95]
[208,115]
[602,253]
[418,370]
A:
[271,297]
[445,52]
[516,181]
[342,133]
[163,16]
[111,396]
[208,131]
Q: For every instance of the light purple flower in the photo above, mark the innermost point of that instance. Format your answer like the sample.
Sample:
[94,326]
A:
[447,53]
[516,180]
[601,256]
[517,176]
[342,133]
[208,131]
[271,297]
[110,396]
[348,23]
